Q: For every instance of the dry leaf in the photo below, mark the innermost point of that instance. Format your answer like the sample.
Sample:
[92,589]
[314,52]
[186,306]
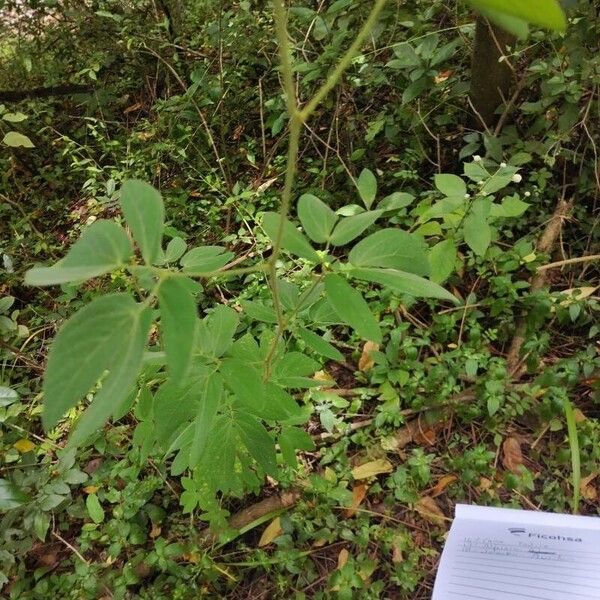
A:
[358,495]
[91,489]
[512,457]
[323,376]
[442,484]
[372,468]
[272,532]
[428,508]
[155,531]
[484,484]
[425,437]
[588,491]
[575,294]
[319,543]
[24,446]
[133,107]
[343,557]
[578,416]
[443,76]
[144,136]
[397,556]
[191,557]
[366,361]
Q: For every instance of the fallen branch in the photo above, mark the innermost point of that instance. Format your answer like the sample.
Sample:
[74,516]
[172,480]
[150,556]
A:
[569,261]
[44,92]
[545,245]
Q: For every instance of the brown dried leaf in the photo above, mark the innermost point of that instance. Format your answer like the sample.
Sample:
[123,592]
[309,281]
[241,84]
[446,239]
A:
[397,556]
[589,491]
[155,531]
[91,489]
[366,361]
[358,495]
[425,437]
[442,484]
[343,557]
[512,457]
[132,108]
[372,468]
[428,508]
[272,532]
[442,76]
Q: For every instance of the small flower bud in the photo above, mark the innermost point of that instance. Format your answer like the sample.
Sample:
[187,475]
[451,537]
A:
[476,158]
[503,164]
[517,178]
[527,194]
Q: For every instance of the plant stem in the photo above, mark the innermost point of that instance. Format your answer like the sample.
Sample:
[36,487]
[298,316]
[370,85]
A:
[575,455]
[345,61]
[297,118]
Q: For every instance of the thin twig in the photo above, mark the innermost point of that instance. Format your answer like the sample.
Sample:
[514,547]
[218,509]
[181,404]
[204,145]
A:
[71,547]
[569,261]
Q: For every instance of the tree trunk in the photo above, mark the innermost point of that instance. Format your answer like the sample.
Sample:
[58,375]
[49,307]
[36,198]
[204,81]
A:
[490,79]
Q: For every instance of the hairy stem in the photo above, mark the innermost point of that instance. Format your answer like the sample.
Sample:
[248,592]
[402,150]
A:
[297,118]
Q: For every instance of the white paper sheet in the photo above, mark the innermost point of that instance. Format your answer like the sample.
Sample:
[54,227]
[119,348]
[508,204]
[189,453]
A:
[506,554]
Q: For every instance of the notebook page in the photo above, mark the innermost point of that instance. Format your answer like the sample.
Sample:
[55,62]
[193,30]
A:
[507,554]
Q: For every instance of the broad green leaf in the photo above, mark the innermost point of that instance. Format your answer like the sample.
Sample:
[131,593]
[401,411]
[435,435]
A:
[320,346]
[11,496]
[281,407]
[245,382]
[316,218]
[205,259]
[518,27]
[512,206]
[5,303]
[295,364]
[351,227]
[367,187]
[218,461]
[351,307]
[259,311]
[546,13]
[93,340]
[7,396]
[476,230]
[396,201]
[102,247]
[123,369]
[442,208]
[175,249]
[404,283]
[208,403]
[442,259]
[292,241]
[391,248]
[14,139]
[178,320]
[450,185]
[217,330]
[175,403]
[289,294]
[14,117]
[145,214]
[292,439]
[258,441]
[94,508]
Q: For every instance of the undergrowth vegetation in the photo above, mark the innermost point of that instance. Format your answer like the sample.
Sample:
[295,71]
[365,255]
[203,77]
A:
[276,292]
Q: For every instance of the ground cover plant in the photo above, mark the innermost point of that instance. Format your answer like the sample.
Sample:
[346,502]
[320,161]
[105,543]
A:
[282,283]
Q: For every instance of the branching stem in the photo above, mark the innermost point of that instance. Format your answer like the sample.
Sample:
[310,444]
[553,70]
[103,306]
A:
[297,117]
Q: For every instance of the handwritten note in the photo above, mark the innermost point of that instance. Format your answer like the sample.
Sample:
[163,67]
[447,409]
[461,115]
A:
[506,554]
